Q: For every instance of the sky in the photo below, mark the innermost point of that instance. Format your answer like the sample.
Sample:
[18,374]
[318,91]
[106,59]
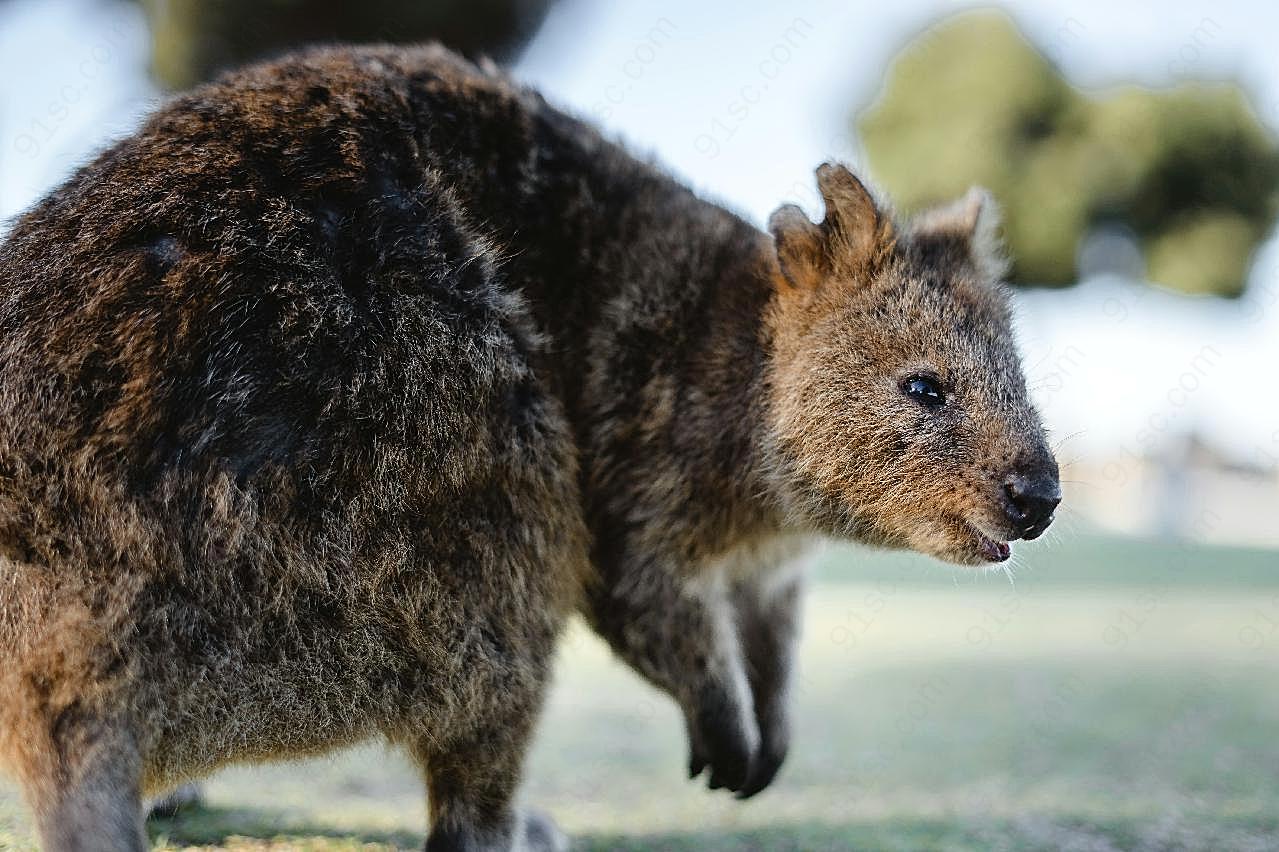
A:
[742,101]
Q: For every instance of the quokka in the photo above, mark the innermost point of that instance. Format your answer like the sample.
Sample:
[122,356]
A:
[330,394]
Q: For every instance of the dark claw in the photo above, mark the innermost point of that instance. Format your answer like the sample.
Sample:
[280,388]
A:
[730,768]
[723,738]
[765,771]
[731,778]
[696,763]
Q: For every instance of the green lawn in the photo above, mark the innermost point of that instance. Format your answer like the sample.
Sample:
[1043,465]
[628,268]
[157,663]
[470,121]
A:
[1119,695]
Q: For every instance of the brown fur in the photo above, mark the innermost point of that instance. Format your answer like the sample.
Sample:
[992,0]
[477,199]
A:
[327,396]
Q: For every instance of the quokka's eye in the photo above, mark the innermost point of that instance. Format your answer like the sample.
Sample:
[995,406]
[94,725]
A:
[924,390]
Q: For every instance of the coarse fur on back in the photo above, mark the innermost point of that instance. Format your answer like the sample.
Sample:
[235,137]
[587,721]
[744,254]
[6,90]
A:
[328,395]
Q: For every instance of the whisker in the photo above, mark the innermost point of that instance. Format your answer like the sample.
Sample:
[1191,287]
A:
[1069,437]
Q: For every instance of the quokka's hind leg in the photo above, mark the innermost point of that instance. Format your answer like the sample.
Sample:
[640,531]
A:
[81,778]
[63,731]
[472,784]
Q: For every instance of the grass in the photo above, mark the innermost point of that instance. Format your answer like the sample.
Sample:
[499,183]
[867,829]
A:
[1121,695]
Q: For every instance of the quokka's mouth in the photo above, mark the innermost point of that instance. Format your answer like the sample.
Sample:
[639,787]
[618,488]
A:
[990,548]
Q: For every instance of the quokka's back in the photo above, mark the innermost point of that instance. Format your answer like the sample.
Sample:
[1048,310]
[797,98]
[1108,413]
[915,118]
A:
[277,469]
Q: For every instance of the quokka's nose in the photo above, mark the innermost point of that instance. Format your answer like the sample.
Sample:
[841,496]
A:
[1032,499]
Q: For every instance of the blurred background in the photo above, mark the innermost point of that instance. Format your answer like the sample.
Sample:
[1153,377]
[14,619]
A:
[1118,690]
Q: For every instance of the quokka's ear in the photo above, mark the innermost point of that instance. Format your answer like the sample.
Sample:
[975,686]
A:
[854,221]
[970,224]
[800,246]
[854,236]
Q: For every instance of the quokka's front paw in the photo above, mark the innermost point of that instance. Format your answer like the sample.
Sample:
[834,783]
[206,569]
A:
[724,737]
[743,742]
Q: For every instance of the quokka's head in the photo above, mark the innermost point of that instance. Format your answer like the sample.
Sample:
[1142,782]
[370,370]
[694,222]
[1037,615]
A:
[897,410]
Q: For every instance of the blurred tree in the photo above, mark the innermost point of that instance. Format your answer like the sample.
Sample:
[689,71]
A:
[1190,171]
[194,39]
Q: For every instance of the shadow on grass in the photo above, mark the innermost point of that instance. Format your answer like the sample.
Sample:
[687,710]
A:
[200,825]
[802,837]
[248,828]
[1031,834]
